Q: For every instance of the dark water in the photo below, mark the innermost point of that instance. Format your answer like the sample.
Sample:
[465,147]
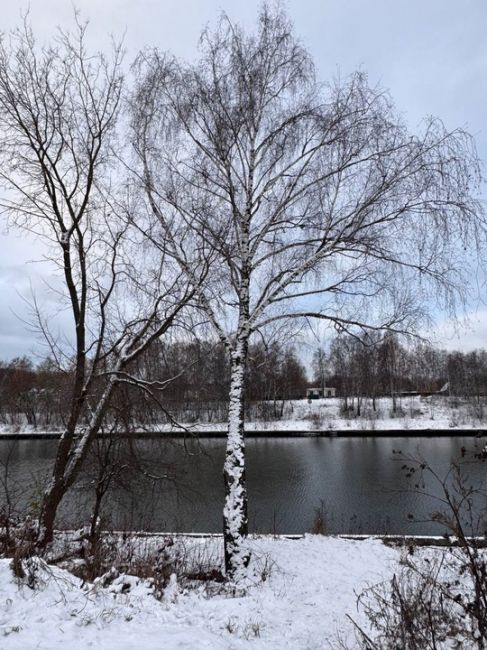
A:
[357,483]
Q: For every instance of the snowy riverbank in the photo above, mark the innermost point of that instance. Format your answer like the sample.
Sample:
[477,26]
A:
[298,599]
[327,416]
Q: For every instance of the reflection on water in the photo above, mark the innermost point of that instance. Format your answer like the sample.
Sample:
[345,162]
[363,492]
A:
[167,485]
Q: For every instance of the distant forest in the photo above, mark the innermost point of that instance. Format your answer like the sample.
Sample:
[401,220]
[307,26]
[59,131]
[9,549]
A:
[190,381]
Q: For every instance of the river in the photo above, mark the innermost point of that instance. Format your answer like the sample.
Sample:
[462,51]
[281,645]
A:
[358,484]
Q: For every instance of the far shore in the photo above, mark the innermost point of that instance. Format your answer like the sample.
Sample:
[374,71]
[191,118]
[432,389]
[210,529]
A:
[267,433]
[321,418]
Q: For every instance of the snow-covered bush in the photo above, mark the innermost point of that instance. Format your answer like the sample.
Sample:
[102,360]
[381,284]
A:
[439,598]
[154,559]
[415,610]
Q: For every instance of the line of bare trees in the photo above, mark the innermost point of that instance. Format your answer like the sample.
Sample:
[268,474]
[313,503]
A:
[374,366]
[232,195]
[196,375]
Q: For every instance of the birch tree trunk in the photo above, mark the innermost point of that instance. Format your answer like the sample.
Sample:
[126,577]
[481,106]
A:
[235,519]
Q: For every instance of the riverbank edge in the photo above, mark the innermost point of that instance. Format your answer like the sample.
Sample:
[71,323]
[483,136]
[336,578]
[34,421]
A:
[312,433]
[390,540]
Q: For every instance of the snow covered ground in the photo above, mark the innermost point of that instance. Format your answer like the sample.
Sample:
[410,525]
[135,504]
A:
[430,413]
[298,599]
[415,412]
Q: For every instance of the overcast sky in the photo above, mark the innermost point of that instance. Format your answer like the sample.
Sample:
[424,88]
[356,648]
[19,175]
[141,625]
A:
[430,54]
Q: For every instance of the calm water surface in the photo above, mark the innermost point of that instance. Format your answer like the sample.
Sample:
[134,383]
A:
[357,483]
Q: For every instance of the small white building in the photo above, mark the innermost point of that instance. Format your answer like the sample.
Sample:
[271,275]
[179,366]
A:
[318,392]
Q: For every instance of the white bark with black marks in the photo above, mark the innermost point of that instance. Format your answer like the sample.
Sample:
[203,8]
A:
[235,517]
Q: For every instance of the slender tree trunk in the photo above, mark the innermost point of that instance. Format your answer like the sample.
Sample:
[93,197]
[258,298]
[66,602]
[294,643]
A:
[67,466]
[50,503]
[235,519]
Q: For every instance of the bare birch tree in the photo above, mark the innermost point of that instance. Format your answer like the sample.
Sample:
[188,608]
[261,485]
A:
[315,201]
[59,109]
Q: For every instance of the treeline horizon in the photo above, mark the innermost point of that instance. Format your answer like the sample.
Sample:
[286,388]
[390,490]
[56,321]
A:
[189,381]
